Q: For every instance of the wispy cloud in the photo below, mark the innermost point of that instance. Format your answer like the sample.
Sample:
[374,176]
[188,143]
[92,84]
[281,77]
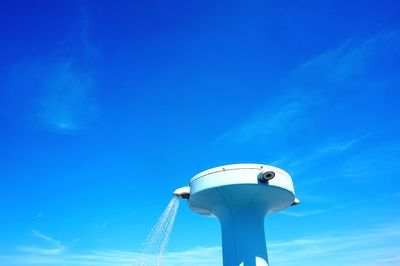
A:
[332,147]
[306,213]
[267,122]
[55,247]
[328,83]
[323,151]
[303,213]
[202,256]
[341,146]
[46,238]
[56,90]
[66,104]
[320,120]
[102,226]
[377,245]
[376,160]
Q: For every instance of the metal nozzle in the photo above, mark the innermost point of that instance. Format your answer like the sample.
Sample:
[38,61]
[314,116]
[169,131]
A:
[266,176]
[182,193]
[295,202]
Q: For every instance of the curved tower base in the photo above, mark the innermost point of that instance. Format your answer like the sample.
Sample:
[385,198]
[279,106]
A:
[240,198]
[243,239]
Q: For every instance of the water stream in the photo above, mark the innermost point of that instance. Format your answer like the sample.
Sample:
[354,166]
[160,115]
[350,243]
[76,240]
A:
[157,240]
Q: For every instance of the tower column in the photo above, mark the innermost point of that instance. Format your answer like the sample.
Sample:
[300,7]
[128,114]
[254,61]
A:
[243,237]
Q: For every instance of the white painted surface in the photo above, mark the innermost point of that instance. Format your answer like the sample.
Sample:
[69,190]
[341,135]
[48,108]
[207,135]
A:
[240,201]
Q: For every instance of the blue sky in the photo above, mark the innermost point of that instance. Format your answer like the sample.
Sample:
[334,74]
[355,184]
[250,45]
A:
[107,107]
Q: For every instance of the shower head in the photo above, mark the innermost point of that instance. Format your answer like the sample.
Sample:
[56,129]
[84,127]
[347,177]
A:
[182,193]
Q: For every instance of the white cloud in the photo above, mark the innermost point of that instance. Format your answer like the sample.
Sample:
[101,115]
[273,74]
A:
[269,122]
[46,238]
[201,256]
[54,246]
[370,247]
[375,246]
[56,90]
[66,103]
[376,160]
[303,213]
[295,213]
[313,90]
[341,146]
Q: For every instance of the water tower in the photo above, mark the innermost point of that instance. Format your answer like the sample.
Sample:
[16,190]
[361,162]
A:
[240,196]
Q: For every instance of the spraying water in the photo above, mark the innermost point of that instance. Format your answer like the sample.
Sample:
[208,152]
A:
[156,242]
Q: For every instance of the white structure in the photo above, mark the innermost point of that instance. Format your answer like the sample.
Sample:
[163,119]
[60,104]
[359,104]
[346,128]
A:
[240,196]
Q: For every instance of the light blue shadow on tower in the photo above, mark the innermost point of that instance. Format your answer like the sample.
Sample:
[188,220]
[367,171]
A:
[240,196]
